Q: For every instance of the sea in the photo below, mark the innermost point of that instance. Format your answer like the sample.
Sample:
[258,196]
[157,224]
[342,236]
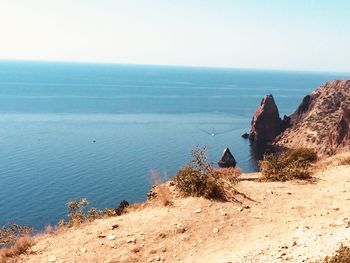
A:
[96,131]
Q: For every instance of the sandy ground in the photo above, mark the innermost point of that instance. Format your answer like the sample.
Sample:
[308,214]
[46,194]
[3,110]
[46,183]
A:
[287,222]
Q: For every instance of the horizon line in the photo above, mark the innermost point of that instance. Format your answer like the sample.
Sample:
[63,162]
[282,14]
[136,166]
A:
[91,62]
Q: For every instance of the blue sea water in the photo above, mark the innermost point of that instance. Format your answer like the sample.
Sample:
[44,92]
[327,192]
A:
[71,130]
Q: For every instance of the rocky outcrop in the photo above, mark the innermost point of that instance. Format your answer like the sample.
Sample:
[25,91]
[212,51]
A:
[322,120]
[227,160]
[266,123]
[340,133]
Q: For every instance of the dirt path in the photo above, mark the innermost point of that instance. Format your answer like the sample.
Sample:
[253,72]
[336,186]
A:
[291,221]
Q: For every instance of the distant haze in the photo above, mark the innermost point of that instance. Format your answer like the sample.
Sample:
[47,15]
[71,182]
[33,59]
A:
[294,35]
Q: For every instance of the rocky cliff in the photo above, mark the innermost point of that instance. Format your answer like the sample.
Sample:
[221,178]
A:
[322,120]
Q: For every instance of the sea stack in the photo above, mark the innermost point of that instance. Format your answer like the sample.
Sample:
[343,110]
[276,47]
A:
[266,124]
[227,160]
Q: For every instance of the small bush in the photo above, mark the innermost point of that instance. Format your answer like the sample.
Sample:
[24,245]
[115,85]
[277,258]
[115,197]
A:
[163,192]
[93,214]
[292,164]
[21,246]
[10,233]
[192,182]
[342,256]
[336,160]
[199,178]
[121,209]
[344,161]
[302,155]
[50,230]
[78,212]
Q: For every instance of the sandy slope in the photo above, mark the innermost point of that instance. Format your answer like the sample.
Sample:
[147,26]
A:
[289,221]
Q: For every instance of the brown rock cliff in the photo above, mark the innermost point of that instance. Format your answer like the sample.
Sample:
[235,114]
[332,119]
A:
[321,121]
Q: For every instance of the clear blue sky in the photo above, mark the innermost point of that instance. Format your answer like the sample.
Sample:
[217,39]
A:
[274,34]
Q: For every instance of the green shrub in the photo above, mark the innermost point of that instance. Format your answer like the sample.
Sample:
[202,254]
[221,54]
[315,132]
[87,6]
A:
[199,178]
[289,165]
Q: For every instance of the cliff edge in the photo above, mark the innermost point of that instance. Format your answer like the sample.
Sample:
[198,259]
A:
[283,222]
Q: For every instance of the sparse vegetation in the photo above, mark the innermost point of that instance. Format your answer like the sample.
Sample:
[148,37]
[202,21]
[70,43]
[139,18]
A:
[15,240]
[78,212]
[163,192]
[342,255]
[50,230]
[289,165]
[336,160]
[21,245]
[301,155]
[121,209]
[11,232]
[199,178]
[344,161]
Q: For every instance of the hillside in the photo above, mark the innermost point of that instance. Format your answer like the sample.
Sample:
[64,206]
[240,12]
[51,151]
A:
[322,120]
[287,221]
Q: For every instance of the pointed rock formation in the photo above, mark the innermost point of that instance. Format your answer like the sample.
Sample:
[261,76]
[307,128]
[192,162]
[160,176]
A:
[266,123]
[227,160]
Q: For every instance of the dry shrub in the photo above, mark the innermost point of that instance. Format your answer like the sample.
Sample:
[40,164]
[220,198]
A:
[344,161]
[336,160]
[49,230]
[121,209]
[78,212]
[163,192]
[135,207]
[109,212]
[9,233]
[199,178]
[289,165]
[342,255]
[232,172]
[61,224]
[54,230]
[190,181]
[21,246]
[93,213]
[301,155]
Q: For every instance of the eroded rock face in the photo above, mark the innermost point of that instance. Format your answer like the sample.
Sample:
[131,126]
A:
[322,120]
[340,133]
[227,160]
[266,123]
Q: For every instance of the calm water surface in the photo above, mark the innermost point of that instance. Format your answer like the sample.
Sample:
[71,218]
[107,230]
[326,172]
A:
[93,130]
